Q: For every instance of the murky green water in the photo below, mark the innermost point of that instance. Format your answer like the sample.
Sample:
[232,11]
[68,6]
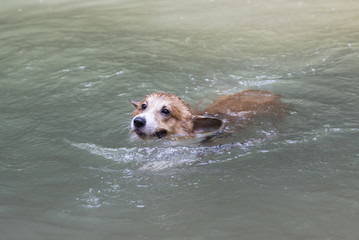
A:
[68,169]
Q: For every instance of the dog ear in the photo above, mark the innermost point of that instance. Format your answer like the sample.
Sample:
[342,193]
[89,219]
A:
[206,124]
[135,103]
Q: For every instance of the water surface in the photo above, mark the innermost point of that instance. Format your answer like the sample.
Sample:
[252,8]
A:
[69,170]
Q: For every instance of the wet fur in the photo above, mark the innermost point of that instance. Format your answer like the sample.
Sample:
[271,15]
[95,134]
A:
[180,123]
[241,108]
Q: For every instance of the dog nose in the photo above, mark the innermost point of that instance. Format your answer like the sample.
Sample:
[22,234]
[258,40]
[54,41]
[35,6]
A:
[139,122]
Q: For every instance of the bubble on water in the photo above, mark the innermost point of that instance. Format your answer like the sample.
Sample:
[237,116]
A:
[251,83]
[90,200]
[111,75]
[293,141]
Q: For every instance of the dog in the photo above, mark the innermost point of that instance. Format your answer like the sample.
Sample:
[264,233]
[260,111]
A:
[162,115]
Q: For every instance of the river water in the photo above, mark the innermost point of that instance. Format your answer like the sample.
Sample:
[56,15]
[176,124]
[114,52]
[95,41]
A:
[68,166]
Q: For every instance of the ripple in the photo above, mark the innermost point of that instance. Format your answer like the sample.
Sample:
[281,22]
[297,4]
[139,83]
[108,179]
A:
[162,157]
[326,131]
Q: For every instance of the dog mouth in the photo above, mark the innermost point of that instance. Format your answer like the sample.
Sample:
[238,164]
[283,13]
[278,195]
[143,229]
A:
[140,133]
[158,134]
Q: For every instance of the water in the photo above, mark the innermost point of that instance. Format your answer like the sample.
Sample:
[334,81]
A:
[69,170]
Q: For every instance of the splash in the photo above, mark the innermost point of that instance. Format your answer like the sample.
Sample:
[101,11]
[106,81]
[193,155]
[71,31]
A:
[160,157]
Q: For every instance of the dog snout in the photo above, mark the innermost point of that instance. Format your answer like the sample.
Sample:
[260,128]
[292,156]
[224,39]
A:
[139,122]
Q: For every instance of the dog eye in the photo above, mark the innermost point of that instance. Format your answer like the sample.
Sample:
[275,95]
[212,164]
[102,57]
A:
[144,106]
[165,112]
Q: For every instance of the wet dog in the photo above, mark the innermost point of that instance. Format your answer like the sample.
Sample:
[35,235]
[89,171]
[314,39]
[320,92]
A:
[162,115]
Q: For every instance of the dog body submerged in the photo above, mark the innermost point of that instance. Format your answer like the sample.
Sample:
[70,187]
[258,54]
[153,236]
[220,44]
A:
[161,114]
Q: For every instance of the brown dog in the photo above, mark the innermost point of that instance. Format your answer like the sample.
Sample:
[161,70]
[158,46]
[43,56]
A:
[161,114]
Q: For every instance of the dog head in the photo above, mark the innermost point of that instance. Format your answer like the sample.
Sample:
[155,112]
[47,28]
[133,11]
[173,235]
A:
[161,114]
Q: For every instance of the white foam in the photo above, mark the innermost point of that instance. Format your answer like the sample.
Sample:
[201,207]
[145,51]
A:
[157,158]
